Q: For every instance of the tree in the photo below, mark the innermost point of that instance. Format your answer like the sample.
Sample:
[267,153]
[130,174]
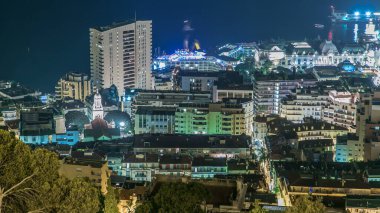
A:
[76,118]
[177,197]
[81,197]
[265,68]
[145,207]
[119,117]
[257,208]
[29,182]
[110,200]
[306,205]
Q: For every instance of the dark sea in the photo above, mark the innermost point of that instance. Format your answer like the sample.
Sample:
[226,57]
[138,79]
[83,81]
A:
[43,39]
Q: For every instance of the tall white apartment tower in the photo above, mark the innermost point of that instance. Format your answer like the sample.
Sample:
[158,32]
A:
[121,54]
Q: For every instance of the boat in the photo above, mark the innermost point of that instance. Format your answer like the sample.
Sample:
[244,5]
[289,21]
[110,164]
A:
[357,16]
[319,26]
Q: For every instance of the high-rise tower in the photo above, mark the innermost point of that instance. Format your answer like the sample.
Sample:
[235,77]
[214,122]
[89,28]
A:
[121,54]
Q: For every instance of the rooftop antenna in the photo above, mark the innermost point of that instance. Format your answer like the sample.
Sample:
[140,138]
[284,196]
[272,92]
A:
[135,16]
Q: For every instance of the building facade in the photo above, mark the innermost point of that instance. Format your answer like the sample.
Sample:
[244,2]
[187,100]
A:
[121,54]
[302,105]
[341,110]
[234,116]
[268,93]
[36,127]
[73,85]
[154,120]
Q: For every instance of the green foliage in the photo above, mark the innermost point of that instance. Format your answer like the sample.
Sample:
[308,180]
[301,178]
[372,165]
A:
[81,197]
[305,204]
[29,181]
[118,117]
[76,118]
[177,197]
[266,67]
[110,200]
[145,207]
[257,208]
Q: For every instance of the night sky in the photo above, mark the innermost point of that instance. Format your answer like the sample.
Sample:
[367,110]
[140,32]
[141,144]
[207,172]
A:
[43,39]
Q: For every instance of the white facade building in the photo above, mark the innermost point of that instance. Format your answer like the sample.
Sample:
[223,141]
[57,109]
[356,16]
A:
[121,54]
[341,110]
[97,107]
[303,105]
[303,56]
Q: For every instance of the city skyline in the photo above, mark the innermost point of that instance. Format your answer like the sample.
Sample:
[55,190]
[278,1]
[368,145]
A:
[54,50]
[131,106]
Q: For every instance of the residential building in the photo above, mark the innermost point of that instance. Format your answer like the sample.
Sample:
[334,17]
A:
[150,119]
[195,81]
[362,204]
[368,125]
[162,83]
[70,137]
[229,146]
[341,109]
[231,85]
[219,92]
[318,130]
[241,167]
[260,127]
[318,150]
[70,105]
[304,103]
[330,180]
[73,85]
[121,54]
[175,165]
[16,91]
[348,148]
[269,90]
[59,123]
[9,114]
[86,166]
[206,167]
[232,116]
[36,126]
[373,175]
[364,145]
[135,98]
[310,129]
[115,163]
[141,167]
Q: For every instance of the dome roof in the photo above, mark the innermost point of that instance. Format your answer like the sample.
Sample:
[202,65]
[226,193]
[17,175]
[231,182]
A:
[99,124]
[327,47]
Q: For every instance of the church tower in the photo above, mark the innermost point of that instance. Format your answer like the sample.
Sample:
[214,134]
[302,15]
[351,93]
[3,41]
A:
[97,108]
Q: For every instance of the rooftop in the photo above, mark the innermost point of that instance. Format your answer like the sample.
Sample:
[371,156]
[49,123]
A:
[141,158]
[175,159]
[365,202]
[207,161]
[113,25]
[150,110]
[191,141]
